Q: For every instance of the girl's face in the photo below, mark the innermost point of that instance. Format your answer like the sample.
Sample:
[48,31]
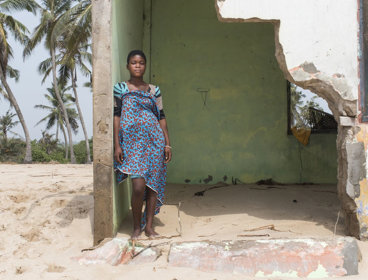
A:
[136,66]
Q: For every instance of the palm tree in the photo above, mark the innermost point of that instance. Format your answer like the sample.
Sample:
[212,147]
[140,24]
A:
[300,107]
[55,115]
[78,22]
[74,49]
[68,71]
[10,25]
[13,74]
[51,11]
[6,124]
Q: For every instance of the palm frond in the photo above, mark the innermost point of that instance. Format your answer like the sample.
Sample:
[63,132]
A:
[19,5]
[52,121]
[17,29]
[36,38]
[12,73]
[68,18]
[3,93]
[44,107]
[45,65]
[88,85]
[85,70]
[64,74]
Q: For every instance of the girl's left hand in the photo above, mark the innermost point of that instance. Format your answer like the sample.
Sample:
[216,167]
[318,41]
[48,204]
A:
[167,154]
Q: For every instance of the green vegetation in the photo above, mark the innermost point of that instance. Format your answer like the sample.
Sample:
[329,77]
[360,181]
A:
[300,108]
[13,150]
[9,25]
[65,29]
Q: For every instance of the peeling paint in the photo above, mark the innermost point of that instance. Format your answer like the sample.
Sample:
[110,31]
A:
[308,241]
[362,200]
[270,258]
[289,274]
[320,272]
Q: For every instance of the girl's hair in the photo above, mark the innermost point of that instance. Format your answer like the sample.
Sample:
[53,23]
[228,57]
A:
[134,53]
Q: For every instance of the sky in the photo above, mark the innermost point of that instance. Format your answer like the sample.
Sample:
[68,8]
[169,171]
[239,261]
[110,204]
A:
[319,100]
[29,91]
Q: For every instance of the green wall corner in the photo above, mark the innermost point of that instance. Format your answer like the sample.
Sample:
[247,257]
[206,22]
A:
[127,33]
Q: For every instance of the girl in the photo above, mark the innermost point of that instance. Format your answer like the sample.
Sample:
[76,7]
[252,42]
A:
[141,140]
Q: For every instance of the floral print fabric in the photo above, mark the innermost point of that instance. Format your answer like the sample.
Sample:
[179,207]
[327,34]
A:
[141,139]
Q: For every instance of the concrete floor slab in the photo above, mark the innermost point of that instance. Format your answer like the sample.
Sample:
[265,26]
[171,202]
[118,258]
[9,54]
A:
[307,258]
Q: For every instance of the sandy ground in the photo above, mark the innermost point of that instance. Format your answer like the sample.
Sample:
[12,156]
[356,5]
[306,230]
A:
[46,215]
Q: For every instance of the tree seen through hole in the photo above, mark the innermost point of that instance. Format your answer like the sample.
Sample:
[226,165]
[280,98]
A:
[306,110]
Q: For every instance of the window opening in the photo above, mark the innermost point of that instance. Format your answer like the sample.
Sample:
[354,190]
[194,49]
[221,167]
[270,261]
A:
[306,110]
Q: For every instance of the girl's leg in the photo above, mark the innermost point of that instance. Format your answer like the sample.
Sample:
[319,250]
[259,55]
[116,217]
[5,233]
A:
[150,208]
[139,186]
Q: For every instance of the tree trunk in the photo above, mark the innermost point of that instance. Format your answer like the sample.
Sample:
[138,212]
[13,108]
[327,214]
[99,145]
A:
[81,118]
[13,101]
[65,114]
[5,135]
[57,132]
[66,142]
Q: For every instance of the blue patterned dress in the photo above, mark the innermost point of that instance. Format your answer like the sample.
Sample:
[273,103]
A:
[141,138]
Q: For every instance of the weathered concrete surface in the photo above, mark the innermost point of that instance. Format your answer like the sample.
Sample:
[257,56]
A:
[361,198]
[146,256]
[118,251]
[352,185]
[102,120]
[267,258]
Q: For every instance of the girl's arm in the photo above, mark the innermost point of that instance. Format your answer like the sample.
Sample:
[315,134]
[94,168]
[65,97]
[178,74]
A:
[163,125]
[118,151]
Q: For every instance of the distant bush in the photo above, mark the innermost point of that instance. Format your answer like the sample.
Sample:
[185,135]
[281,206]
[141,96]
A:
[81,153]
[39,154]
[59,155]
[44,150]
[12,150]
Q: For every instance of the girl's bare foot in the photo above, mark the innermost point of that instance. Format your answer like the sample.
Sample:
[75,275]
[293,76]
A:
[150,233]
[136,234]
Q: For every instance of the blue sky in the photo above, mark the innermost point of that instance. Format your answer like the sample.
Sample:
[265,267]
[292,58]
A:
[29,91]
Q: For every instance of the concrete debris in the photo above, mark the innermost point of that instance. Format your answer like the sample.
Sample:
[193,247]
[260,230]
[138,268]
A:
[119,251]
[307,258]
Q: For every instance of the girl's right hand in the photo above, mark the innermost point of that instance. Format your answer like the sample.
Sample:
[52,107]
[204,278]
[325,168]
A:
[118,154]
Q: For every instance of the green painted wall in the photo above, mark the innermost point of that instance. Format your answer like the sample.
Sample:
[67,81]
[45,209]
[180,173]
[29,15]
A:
[127,33]
[225,100]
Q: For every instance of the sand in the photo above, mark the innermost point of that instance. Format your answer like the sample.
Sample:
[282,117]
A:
[46,217]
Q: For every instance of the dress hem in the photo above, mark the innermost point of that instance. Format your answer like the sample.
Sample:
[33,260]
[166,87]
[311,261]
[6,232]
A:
[144,180]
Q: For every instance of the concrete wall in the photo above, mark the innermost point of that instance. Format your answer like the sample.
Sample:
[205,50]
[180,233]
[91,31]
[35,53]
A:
[240,131]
